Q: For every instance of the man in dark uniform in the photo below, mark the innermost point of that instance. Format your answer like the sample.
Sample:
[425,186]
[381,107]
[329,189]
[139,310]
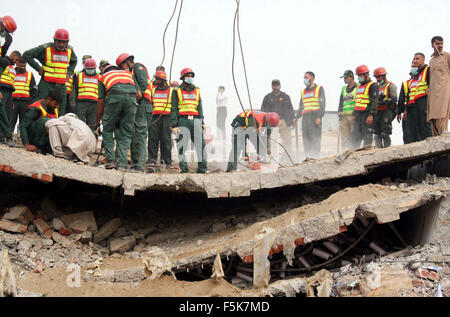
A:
[401,108]
[7,26]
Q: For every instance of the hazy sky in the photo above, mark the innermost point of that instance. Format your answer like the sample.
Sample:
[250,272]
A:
[282,39]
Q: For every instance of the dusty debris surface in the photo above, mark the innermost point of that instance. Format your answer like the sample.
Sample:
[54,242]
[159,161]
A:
[165,245]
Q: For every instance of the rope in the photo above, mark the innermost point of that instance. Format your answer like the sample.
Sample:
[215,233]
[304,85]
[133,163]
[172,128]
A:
[165,30]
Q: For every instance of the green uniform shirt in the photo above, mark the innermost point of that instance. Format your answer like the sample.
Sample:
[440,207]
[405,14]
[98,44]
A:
[123,88]
[39,54]
[31,115]
[140,77]
[175,102]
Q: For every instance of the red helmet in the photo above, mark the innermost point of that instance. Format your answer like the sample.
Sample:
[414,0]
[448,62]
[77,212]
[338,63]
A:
[61,34]
[90,63]
[362,70]
[185,71]
[9,23]
[161,74]
[122,57]
[273,119]
[380,71]
[175,84]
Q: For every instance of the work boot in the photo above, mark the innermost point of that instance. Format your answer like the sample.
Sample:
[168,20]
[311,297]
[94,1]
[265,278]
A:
[124,169]
[10,142]
[110,165]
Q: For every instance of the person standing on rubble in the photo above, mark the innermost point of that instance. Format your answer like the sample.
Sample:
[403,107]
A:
[25,91]
[312,109]
[387,99]
[118,90]
[366,106]
[7,26]
[7,77]
[33,132]
[279,102]
[58,61]
[188,115]
[438,112]
[160,131]
[250,125]
[221,114]
[346,106]
[416,111]
[142,80]
[401,107]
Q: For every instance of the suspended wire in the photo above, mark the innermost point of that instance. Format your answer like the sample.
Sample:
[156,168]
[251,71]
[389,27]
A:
[175,41]
[165,30]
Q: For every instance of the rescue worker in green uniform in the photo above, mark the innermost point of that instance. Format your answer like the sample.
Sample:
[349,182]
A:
[71,100]
[250,125]
[117,102]
[7,26]
[366,105]
[25,92]
[387,99]
[346,106]
[188,113]
[416,110]
[85,89]
[401,108]
[33,132]
[160,131]
[58,61]
[7,77]
[142,80]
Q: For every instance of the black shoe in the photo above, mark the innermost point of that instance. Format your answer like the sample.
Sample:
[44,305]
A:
[10,142]
[110,165]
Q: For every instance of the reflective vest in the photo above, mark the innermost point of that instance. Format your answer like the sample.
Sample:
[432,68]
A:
[162,101]
[56,64]
[87,87]
[115,77]
[311,100]
[22,84]
[362,96]
[384,91]
[69,84]
[259,117]
[44,113]
[349,100]
[188,102]
[147,92]
[405,85]
[8,76]
[418,87]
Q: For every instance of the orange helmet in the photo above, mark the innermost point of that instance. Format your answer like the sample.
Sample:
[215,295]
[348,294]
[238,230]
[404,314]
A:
[61,34]
[9,23]
[273,119]
[362,70]
[185,71]
[380,71]
[122,57]
[90,63]
[161,74]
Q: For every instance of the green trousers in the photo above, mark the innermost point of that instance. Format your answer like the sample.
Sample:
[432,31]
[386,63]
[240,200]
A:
[191,129]
[5,109]
[38,135]
[120,108]
[19,108]
[44,88]
[416,121]
[382,128]
[87,112]
[312,135]
[139,139]
[160,135]
[360,131]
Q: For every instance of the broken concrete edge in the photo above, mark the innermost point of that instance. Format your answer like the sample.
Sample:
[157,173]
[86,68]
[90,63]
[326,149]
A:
[218,185]
[331,224]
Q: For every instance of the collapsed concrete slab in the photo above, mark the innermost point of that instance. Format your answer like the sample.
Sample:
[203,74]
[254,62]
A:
[238,184]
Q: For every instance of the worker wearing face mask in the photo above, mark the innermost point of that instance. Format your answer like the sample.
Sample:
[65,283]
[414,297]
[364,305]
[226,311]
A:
[387,99]
[86,91]
[366,106]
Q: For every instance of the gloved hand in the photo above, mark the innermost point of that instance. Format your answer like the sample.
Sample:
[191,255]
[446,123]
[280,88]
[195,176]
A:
[97,130]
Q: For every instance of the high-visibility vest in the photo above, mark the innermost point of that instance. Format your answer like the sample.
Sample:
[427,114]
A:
[384,91]
[362,96]
[87,86]
[44,113]
[8,76]
[56,64]
[148,90]
[311,100]
[405,85]
[22,84]
[349,100]
[162,100]
[418,87]
[259,117]
[188,102]
[69,84]
[115,77]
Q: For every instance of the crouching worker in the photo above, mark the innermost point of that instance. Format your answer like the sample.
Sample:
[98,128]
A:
[33,132]
[70,137]
[250,125]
